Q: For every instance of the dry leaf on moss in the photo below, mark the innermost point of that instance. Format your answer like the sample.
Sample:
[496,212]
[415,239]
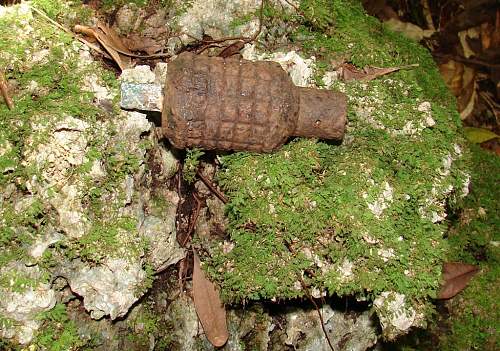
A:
[456,276]
[209,307]
[349,72]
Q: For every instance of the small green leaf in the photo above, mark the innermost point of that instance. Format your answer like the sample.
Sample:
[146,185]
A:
[479,135]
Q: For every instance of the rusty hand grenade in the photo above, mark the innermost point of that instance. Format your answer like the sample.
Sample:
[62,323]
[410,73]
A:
[230,104]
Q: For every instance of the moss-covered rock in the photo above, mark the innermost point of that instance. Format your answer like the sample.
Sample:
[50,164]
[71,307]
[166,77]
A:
[75,194]
[363,217]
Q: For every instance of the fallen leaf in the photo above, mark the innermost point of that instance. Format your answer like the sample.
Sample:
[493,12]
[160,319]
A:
[209,307]
[456,276]
[408,29]
[108,38]
[350,72]
[461,80]
[464,35]
[139,43]
[479,135]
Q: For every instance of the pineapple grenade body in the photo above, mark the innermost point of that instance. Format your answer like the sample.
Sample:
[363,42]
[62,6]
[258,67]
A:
[230,104]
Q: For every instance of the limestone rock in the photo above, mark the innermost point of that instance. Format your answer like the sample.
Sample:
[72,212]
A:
[161,235]
[395,315]
[108,289]
[20,306]
[346,332]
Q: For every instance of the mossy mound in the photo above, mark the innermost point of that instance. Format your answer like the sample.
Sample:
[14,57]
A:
[362,217]
[475,239]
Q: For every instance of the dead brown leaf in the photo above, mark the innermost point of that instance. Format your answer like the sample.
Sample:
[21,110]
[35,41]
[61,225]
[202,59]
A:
[461,80]
[209,307]
[139,43]
[456,276]
[113,44]
[350,72]
[4,88]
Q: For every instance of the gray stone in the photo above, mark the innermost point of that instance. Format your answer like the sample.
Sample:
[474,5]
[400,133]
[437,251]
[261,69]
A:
[22,305]
[108,289]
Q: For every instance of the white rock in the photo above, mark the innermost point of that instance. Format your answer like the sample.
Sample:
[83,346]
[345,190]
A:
[329,78]
[386,254]
[160,72]
[68,205]
[300,70]
[213,17]
[42,243]
[345,270]
[383,201]
[168,162]
[182,314]
[161,235]
[395,316]
[108,289]
[138,74]
[93,84]
[304,332]
[134,125]
[23,307]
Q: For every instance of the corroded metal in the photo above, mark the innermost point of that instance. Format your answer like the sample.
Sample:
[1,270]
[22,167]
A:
[230,104]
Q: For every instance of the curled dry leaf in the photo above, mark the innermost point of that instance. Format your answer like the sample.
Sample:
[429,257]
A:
[113,44]
[4,88]
[350,72]
[209,307]
[139,43]
[456,276]
[461,80]
[408,29]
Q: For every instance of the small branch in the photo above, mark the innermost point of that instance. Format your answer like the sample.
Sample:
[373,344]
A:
[192,223]
[309,296]
[212,187]
[54,23]
[5,91]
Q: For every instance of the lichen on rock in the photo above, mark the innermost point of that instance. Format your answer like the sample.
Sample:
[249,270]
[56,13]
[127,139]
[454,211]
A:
[75,197]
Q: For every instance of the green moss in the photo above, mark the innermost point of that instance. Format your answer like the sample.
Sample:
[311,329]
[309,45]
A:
[474,239]
[191,164]
[58,332]
[56,80]
[310,201]
[472,319]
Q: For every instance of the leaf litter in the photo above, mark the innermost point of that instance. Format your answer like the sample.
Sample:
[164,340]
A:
[456,276]
[208,305]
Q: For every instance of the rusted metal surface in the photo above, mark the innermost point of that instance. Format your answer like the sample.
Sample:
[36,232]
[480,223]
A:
[230,104]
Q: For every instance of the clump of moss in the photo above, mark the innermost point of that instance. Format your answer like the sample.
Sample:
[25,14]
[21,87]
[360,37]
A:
[474,239]
[355,218]
[191,164]
[59,333]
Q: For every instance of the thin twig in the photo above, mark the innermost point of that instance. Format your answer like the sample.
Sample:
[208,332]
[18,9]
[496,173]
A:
[54,23]
[194,219]
[5,91]
[309,296]
[212,188]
